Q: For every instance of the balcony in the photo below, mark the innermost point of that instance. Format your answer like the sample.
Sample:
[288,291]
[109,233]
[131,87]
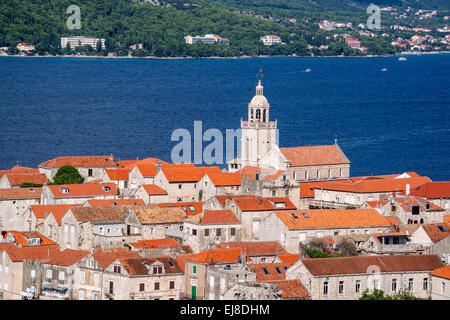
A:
[247,124]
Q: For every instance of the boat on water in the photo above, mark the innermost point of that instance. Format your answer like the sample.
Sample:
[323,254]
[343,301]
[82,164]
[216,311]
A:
[384,69]
[308,70]
[402,59]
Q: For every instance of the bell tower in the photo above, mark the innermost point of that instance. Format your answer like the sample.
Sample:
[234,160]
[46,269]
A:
[258,132]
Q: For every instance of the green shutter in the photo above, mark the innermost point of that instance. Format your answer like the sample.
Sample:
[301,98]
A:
[194,292]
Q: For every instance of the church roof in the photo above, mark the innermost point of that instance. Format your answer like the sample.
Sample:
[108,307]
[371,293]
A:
[314,155]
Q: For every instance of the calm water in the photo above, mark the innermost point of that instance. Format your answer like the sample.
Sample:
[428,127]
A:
[385,122]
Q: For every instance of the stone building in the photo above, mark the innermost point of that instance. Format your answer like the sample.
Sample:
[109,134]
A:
[276,290]
[219,183]
[151,193]
[295,227]
[155,278]
[204,230]
[232,263]
[335,195]
[89,167]
[20,269]
[77,193]
[258,251]
[13,205]
[440,283]
[346,278]
[14,180]
[390,243]
[60,275]
[437,192]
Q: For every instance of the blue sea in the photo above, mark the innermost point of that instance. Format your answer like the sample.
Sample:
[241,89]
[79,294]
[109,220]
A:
[385,122]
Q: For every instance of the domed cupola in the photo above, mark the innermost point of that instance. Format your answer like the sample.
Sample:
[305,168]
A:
[258,108]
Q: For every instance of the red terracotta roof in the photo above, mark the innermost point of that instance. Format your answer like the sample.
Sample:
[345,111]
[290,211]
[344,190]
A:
[153,214]
[443,272]
[30,252]
[84,190]
[16,179]
[114,202]
[21,193]
[21,237]
[190,208]
[384,176]
[265,174]
[254,203]
[433,190]
[225,179]
[292,289]
[393,221]
[332,218]
[230,255]
[361,264]
[307,188]
[289,258]
[118,174]
[154,190]
[314,155]
[18,169]
[155,244]
[40,211]
[269,271]
[376,185]
[80,161]
[187,174]
[139,266]
[257,248]
[67,257]
[437,231]
[380,203]
[102,213]
[106,257]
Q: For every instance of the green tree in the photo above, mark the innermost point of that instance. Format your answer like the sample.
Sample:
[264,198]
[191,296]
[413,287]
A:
[67,175]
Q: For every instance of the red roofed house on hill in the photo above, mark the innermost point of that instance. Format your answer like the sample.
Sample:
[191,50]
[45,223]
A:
[13,203]
[89,167]
[77,193]
[346,278]
[294,227]
[22,269]
[341,195]
[14,180]
[203,230]
[440,278]
[209,274]
[151,193]
[437,192]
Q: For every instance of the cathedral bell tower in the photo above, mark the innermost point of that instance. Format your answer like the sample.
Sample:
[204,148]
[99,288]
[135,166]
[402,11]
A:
[258,133]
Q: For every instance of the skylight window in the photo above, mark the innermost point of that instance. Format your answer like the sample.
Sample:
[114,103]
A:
[442,229]
[265,270]
[191,208]
[294,216]
[305,214]
[184,208]
[278,270]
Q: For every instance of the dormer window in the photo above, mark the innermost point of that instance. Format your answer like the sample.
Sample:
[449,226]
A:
[184,208]
[280,205]
[106,189]
[294,216]
[191,208]
[65,190]
[305,214]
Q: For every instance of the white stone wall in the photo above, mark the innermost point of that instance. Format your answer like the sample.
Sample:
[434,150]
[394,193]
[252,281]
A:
[440,288]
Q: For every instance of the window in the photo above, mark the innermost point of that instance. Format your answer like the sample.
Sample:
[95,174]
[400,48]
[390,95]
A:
[302,237]
[49,274]
[325,288]
[287,193]
[218,232]
[410,283]
[358,286]
[141,286]
[278,270]
[425,283]
[265,270]
[394,285]
[194,232]
[375,284]
[233,231]
[96,279]
[222,283]
[443,287]
[191,208]
[179,186]
[211,281]
[33,273]
[172,285]
[206,232]
[156,285]
[96,296]
[81,296]
[111,287]
[341,287]
[72,229]
[61,275]
[6,286]
[117,269]
[150,231]
[194,269]
[82,276]
[90,172]
[6,269]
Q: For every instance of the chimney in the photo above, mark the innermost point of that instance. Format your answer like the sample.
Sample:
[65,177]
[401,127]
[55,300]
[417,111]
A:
[158,167]
[407,189]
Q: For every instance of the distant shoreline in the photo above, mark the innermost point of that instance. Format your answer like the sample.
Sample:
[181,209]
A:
[217,57]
